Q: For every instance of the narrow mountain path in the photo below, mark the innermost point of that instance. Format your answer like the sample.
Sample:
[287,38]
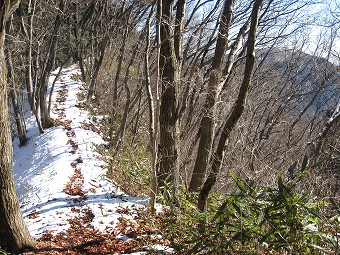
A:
[68,203]
[75,185]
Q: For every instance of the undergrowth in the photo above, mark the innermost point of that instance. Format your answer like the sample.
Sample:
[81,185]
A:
[130,170]
[257,220]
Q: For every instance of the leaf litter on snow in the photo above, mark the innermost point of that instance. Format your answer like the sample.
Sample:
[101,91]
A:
[62,188]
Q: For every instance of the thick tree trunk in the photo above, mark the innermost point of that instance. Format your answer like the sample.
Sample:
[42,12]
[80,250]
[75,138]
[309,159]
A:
[168,167]
[213,90]
[14,235]
[236,111]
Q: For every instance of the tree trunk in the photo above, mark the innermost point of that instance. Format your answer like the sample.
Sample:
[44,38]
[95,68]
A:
[97,64]
[46,120]
[78,33]
[236,110]
[178,36]
[116,83]
[168,166]
[31,93]
[208,121]
[153,103]
[53,85]
[119,140]
[14,234]
[18,116]
[28,65]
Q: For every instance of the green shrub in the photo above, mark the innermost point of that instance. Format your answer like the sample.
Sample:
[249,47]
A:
[258,220]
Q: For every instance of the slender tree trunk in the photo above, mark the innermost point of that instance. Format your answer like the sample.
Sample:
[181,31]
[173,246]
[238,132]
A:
[52,88]
[28,52]
[213,90]
[14,98]
[79,34]
[36,98]
[178,36]
[14,234]
[13,92]
[137,115]
[168,167]
[46,120]
[31,93]
[80,60]
[236,110]
[121,133]
[97,65]
[153,103]
[116,83]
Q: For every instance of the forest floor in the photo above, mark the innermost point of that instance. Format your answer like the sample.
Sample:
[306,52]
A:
[68,202]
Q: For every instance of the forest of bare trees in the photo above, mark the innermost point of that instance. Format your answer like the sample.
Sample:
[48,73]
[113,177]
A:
[202,86]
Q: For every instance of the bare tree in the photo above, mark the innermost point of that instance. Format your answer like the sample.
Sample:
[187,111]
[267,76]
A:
[153,105]
[213,90]
[14,234]
[168,167]
[237,109]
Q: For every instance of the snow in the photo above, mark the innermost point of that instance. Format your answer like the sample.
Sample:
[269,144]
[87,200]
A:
[43,168]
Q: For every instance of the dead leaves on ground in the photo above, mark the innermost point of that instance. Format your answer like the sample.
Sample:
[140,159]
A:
[127,236]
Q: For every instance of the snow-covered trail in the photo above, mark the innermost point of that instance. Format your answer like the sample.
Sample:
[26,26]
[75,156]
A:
[59,170]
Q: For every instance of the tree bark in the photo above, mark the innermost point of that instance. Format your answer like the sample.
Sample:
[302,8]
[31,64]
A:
[236,110]
[168,166]
[14,234]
